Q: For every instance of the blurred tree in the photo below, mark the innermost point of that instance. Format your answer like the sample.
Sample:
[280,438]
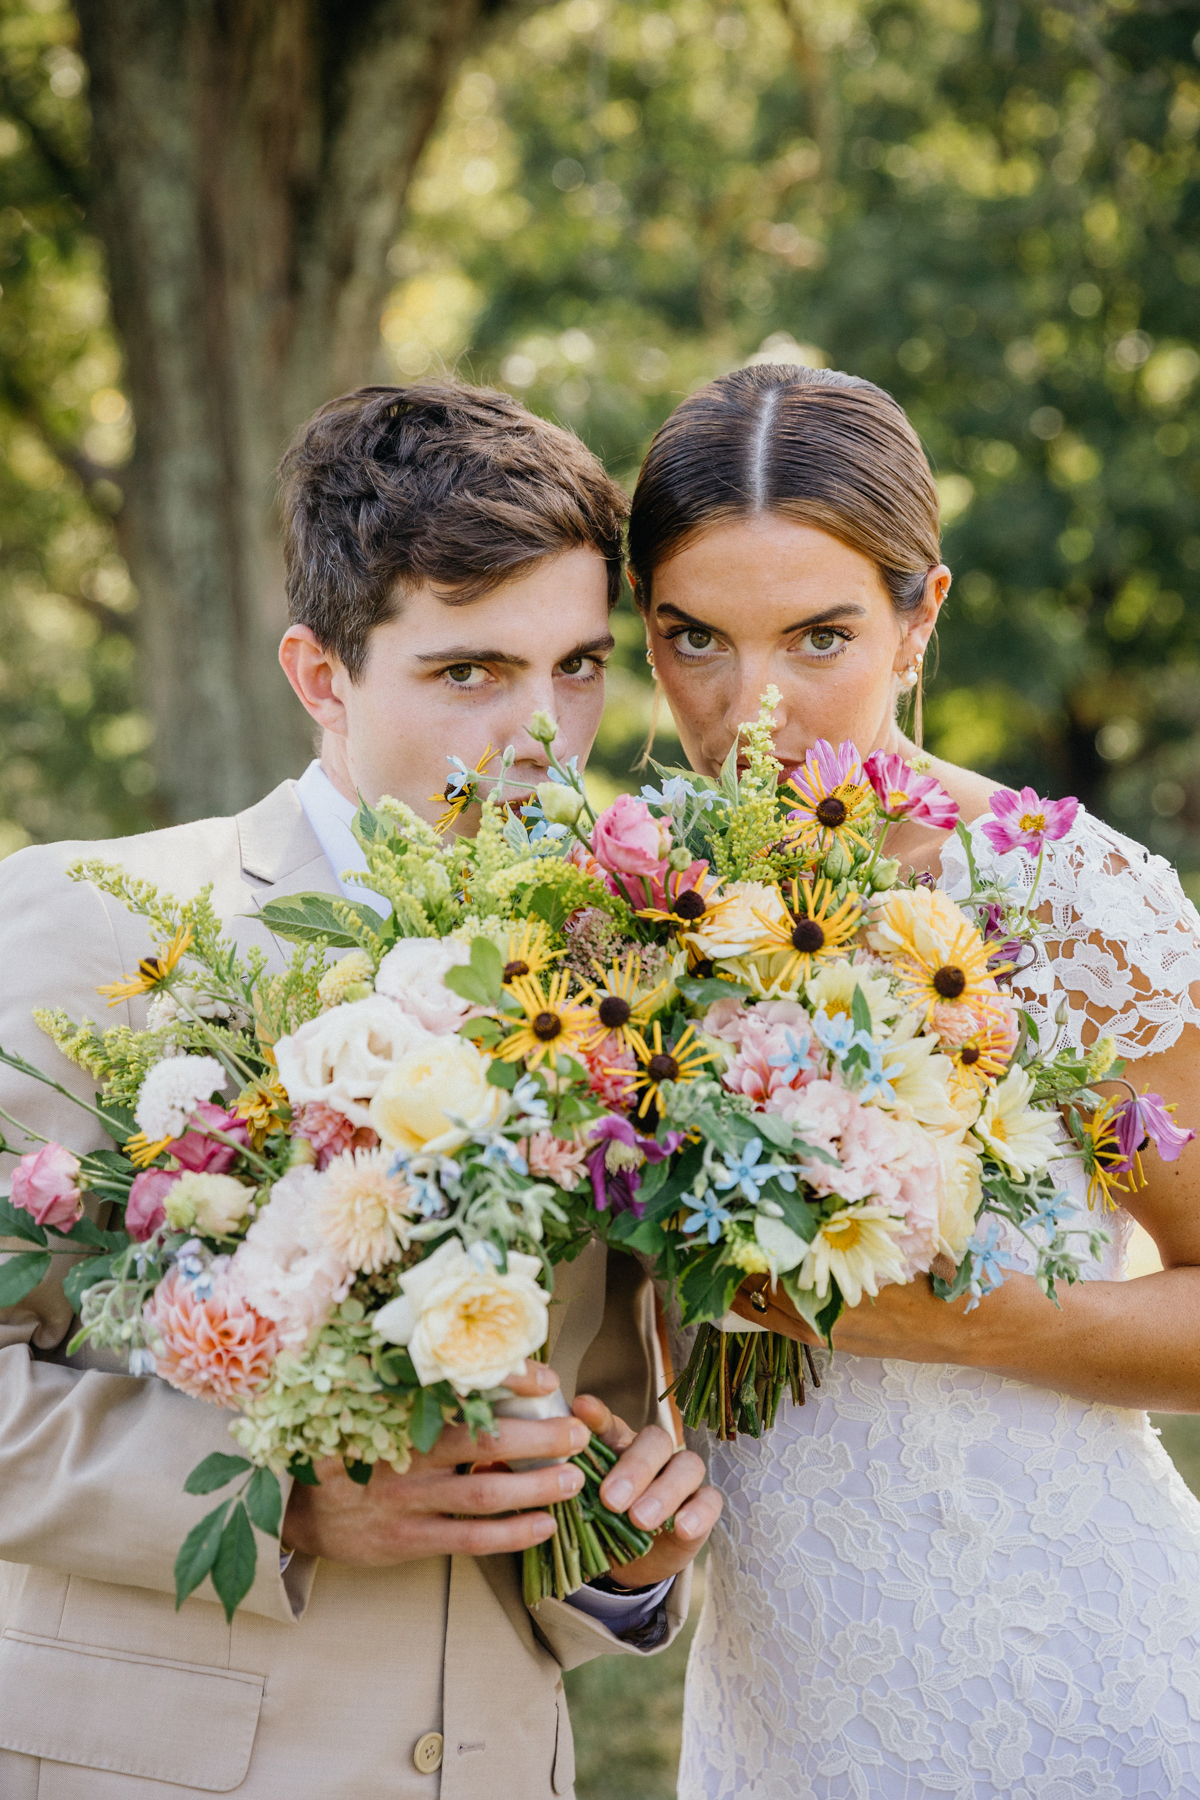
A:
[246,173]
[989,208]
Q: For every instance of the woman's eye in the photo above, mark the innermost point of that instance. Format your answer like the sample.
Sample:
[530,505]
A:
[465,674]
[698,640]
[822,640]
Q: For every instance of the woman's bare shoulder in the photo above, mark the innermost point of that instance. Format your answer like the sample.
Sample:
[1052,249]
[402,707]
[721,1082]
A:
[973,792]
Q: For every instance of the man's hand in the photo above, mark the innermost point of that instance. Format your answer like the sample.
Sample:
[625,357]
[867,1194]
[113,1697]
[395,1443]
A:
[650,1481]
[405,1518]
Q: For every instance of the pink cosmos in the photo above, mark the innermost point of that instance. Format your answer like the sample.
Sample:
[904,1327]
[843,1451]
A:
[330,1132]
[144,1209]
[203,1154]
[44,1184]
[628,840]
[1024,822]
[903,794]
[216,1349]
[1145,1118]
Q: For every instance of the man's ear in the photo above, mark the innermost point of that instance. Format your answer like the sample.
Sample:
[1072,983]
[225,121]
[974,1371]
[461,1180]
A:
[318,677]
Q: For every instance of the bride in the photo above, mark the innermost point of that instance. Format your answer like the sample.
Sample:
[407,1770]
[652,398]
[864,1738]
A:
[966,1567]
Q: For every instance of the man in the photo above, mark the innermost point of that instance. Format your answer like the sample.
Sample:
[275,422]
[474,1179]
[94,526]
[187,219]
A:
[451,564]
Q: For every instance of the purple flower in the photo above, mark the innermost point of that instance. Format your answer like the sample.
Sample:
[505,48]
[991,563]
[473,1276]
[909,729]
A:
[903,794]
[1144,1118]
[615,1164]
[1024,822]
[1004,953]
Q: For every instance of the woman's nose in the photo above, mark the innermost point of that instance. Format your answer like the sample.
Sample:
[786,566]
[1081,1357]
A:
[750,686]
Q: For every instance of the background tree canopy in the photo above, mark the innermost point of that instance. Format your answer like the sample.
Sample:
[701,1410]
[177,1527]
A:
[991,207]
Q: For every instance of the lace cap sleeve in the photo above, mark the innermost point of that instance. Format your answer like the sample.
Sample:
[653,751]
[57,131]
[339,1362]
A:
[1123,940]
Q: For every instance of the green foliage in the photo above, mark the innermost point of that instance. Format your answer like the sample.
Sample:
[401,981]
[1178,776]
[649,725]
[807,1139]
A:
[20,1274]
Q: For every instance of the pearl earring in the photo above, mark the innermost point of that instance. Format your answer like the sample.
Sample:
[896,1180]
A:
[910,676]
[650,660]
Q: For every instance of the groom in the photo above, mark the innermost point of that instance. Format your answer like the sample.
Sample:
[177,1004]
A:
[451,565]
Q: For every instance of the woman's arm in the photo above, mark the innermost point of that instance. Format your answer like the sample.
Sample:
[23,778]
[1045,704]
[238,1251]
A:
[1125,1343]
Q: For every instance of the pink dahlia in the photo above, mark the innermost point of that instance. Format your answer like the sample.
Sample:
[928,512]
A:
[1024,822]
[330,1132]
[903,794]
[216,1349]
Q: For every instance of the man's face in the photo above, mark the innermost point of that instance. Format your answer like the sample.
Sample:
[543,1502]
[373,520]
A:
[444,680]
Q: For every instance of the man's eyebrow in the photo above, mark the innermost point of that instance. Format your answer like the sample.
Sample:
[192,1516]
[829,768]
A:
[849,609]
[467,653]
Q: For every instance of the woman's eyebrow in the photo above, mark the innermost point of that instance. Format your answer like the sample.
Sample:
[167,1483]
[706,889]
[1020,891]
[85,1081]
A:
[849,609]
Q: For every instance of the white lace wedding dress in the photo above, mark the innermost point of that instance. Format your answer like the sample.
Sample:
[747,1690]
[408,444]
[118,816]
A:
[934,1581]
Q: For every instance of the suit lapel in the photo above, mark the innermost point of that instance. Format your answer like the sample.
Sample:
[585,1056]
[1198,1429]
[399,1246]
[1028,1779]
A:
[280,853]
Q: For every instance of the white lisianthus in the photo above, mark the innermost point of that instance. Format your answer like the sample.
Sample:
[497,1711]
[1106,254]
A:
[1017,1136]
[435,1097]
[962,1191]
[729,928]
[172,1091]
[412,974]
[858,1248]
[341,1057]
[463,1321]
[211,1204]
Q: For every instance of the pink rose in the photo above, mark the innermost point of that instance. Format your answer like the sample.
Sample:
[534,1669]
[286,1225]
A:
[44,1185]
[144,1208]
[628,840]
[204,1154]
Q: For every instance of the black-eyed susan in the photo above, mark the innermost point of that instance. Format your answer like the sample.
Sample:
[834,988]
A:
[264,1107]
[984,1055]
[554,1024]
[688,895]
[1104,1158]
[681,1061]
[462,789]
[152,971]
[834,801]
[141,1152]
[528,951]
[812,929]
[624,1005]
[936,952]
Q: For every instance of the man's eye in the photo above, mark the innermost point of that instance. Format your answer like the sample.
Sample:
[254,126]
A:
[571,665]
[465,674]
[698,640]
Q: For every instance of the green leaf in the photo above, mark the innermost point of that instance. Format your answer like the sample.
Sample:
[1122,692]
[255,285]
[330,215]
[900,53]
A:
[359,1472]
[425,1426]
[503,1075]
[708,1287]
[15,1222]
[394,1367]
[547,903]
[860,1012]
[700,990]
[481,981]
[301,1470]
[214,1472]
[653,1177]
[264,1501]
[235,1562]
[20,1274]
[303,918]
[798,1216]
[637,1234]
[85,1274]
[198,1553]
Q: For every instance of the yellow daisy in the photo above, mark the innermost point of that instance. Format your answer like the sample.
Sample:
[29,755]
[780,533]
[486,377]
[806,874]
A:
[681,1061]
[554,1024]
[528,951]
[462,789]
[833,801]
[685,904]
[936,952]
[622,1012]
[152,971]
[982,1057]
[814,929]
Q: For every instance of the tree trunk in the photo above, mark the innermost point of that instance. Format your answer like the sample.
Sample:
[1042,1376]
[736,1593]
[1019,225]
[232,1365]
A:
[250,159]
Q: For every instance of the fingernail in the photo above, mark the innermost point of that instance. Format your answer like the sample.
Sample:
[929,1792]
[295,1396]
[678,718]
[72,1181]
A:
[686,1524]
[646,1512]
[546,1531]
[569,1481]
[617,1494]
[544,1377]
[580,1437]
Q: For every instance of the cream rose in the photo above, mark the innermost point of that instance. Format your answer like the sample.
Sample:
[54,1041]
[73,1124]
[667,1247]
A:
[463,1321]
[435,1097]
[412,973]
[341,1057]
[962,1190]
[730,927]
[924,917]
[211,1204]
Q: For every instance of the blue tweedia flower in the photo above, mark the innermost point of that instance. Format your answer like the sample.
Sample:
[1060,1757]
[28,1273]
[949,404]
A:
[1050,1210]
[837,1035]
[530,1102]
[751,1175]
[795,1059]
[991,1262]
[462,780]
[709,1214]
[484,1255]
[502,1153]
[143,1362]
[189,1260]
[875,1084]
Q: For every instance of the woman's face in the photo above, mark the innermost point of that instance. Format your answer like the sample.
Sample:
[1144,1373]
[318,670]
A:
[763,600]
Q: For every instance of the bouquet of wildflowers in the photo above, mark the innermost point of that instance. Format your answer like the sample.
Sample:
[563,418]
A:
[833,1088]
[336,1194]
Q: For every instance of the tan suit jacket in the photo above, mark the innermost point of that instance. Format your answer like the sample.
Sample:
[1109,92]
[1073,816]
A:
[329,1676]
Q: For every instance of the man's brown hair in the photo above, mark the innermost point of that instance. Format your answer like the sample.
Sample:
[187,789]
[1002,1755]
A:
[461,487]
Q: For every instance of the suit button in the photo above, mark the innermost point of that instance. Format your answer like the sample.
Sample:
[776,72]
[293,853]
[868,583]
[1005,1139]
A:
[427,1752]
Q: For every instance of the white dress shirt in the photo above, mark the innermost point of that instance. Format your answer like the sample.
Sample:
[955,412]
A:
[331,816]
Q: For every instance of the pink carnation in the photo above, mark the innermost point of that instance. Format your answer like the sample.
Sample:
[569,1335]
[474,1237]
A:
[144,1211]
[552,1159]
[607,1065]
[330,1132]
[44,1184]
[217,1349]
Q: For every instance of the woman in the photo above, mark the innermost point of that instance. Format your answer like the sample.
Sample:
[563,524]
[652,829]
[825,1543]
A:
[966,1567]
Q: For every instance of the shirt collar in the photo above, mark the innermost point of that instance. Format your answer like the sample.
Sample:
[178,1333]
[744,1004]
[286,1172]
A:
[331,816]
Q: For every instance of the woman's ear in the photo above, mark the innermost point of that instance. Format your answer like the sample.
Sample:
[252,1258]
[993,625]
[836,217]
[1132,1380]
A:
[316,675]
